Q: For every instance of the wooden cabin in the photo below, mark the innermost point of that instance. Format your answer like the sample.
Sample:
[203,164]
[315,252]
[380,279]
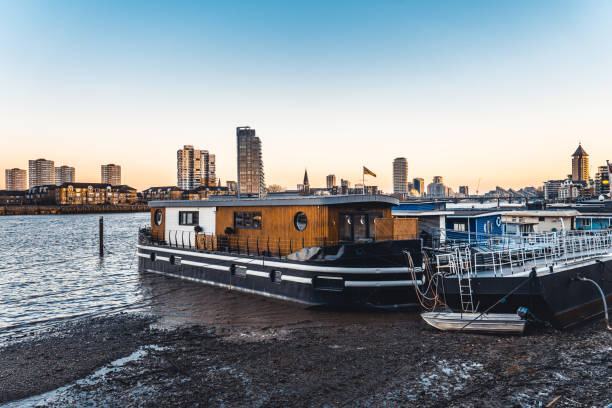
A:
[277,225]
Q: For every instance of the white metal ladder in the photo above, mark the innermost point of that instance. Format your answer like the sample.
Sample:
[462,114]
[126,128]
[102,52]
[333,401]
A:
[462,267]
[465,292]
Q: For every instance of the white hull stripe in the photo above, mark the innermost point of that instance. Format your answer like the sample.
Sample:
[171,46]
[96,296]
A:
[261,274]
[286,265]
[381,284]
[299,279]
[231,287]
[296,279]
[211,266]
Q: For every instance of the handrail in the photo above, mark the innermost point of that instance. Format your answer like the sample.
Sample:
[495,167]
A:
[250,245]
[539,250]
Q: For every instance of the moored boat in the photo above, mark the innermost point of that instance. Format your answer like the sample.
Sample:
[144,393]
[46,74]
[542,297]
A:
[560,278]
[505,323]
[334,250]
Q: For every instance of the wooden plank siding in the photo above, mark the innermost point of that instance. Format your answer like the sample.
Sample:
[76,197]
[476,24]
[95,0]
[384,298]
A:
[277,229]
[391,229]
[278,233]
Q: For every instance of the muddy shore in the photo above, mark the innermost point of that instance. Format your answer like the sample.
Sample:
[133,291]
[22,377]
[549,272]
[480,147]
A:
[372,364]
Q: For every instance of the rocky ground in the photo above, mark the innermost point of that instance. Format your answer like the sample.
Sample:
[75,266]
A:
[388,364]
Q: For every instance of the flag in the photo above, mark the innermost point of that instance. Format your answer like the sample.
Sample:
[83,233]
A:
[368,171]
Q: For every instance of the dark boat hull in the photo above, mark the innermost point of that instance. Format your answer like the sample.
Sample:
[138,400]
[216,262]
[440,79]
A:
[559,297]
[311,284]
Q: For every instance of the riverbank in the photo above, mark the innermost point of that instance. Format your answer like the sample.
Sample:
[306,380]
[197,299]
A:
[403,363]
[71,209]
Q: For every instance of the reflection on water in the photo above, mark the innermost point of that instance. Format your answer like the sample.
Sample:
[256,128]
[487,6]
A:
[50,270]
[179,302]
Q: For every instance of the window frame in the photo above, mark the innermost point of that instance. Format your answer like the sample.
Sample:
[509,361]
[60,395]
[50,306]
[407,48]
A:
[299,218]
[247,220]
[459,224]
[184,218]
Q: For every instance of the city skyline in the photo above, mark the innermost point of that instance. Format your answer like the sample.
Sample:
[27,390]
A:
[458,89]
[585,168]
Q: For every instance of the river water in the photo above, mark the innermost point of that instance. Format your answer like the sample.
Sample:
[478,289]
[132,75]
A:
[50,268]
[50,272]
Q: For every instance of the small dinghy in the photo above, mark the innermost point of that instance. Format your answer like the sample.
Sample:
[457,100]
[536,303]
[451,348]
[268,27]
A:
[476,322]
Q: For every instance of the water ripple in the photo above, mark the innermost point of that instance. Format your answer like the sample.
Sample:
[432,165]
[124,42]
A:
[49,266]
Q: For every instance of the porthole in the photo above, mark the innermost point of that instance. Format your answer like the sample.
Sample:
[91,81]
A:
[159,217]
[300,221]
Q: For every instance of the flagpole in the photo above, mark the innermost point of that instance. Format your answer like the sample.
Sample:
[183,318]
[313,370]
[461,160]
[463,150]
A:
[363,171]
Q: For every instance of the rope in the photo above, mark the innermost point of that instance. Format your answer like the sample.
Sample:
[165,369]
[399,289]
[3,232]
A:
[501,300]
[421,295]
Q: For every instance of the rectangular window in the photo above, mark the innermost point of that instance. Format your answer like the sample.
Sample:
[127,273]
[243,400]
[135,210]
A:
[586,222]
[540,218]
[250,220]
[188,218]
[459,227]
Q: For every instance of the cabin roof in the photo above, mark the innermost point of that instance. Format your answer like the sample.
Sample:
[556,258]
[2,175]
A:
[474,213]
[415,213]
[278,201]
[542,213]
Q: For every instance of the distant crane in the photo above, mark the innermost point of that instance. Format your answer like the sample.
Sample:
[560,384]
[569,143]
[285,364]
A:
[478,186]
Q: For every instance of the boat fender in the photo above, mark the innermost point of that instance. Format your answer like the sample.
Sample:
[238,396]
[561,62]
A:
[525,313]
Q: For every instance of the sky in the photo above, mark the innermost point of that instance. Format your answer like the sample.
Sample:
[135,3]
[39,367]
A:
[480,92]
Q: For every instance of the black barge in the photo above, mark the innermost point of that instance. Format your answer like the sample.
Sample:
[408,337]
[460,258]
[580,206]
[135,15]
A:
[559,278]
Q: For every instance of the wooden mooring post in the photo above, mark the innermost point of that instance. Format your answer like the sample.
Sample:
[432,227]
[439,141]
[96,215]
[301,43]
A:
[101,232]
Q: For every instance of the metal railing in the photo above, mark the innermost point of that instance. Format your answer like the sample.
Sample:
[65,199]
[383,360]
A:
[272,246]
[525,252]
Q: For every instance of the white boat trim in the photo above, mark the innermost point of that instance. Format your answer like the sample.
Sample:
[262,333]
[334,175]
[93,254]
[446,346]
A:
[211,266]
[296,279]
[251,272]
[258,273]
[382,284]
[287,265]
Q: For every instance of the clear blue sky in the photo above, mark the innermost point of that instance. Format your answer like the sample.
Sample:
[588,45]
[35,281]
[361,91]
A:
[501,91]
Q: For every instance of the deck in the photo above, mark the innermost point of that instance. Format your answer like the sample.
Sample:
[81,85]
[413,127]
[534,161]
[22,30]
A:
[511,256]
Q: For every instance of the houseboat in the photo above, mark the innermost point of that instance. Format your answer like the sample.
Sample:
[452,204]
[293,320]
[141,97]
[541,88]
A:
[327,250]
